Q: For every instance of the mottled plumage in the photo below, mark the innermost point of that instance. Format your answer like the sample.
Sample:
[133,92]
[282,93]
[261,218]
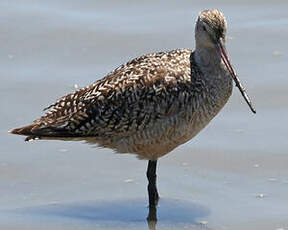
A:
[135,108]
[150,105]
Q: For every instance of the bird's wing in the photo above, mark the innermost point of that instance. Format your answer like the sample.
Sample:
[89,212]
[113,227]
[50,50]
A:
[130,98]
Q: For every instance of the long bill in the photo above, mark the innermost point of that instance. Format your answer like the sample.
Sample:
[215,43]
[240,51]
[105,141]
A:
[222,52]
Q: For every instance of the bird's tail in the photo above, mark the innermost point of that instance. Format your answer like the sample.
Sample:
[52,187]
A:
[26,130]
[31,131]
[36,132]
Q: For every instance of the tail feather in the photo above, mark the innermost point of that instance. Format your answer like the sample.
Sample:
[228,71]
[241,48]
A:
[26,131]
[34,131]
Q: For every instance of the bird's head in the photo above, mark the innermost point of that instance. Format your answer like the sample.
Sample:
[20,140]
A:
[210,33]
[210,28]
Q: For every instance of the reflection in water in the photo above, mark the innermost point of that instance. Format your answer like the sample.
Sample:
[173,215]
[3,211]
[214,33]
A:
[127,213]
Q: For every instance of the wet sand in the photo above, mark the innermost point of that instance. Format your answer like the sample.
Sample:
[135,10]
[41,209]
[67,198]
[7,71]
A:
[233,175]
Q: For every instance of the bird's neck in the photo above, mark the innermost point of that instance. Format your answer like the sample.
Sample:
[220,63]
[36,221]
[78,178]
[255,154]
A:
[207,59]
[215,75]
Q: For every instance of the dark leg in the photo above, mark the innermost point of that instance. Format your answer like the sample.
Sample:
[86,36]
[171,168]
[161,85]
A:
[152,218]
[152,188]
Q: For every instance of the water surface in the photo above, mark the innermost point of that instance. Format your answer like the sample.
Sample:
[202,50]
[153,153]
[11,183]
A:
[233,175]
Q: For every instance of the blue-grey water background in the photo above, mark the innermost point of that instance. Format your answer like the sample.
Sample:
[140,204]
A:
[233,175]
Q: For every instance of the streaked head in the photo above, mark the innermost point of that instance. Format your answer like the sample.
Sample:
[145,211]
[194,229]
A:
[210,28]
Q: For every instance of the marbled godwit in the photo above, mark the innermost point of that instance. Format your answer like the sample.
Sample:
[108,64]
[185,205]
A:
[150,105]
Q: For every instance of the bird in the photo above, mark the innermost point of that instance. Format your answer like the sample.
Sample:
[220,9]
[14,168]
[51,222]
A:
[150,105]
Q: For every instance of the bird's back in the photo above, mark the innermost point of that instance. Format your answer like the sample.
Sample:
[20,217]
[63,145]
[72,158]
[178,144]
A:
[144,107]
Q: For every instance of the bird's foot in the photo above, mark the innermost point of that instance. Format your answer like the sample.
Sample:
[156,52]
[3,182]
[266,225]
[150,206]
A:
[152,216]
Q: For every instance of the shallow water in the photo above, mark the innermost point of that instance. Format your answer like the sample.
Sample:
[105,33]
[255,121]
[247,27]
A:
[233,175]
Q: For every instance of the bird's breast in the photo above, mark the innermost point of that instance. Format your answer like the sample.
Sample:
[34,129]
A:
[197,114]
